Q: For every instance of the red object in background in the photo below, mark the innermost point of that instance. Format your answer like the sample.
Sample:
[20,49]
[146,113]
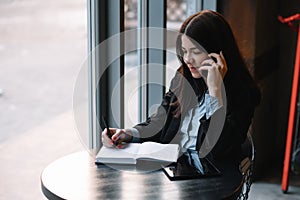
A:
[293,106]
[290,20]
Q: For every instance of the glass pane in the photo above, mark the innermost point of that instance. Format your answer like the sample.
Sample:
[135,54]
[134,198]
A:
[131,73]
[176,14]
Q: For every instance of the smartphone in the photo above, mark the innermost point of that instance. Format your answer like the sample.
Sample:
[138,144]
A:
[204,72]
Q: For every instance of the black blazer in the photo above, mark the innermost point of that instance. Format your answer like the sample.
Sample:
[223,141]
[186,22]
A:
[164,127]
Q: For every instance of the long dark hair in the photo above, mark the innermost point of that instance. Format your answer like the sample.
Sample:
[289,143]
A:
[213,33]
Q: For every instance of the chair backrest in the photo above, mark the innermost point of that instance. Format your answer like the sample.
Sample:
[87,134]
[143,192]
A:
[246,165]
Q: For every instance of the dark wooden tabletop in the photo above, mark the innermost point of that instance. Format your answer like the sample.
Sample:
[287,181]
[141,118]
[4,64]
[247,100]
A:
[75,176]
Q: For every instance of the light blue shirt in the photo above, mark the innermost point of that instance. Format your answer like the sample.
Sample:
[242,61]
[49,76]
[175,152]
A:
[190,126]
[191,122]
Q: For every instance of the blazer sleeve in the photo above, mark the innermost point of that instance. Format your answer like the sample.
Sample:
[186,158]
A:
[237,121]
[153,128]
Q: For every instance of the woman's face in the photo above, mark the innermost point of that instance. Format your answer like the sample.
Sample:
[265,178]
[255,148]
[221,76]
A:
[192,56]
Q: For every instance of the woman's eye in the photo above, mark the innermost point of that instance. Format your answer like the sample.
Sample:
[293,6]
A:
[197,52]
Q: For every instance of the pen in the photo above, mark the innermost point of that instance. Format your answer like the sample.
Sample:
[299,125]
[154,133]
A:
[108,131]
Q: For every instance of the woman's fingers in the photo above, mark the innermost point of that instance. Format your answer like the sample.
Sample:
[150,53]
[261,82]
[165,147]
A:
[122,145]
[214,69]
[220,63]
[117,139]
[106,138]
[208,62]
[205,68]
[217,57]
[213,76]
[119,134]
[224,68]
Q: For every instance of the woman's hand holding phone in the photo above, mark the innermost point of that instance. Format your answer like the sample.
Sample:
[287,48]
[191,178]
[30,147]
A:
[215,70]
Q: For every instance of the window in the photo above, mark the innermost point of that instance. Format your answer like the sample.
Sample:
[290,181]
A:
[134,83]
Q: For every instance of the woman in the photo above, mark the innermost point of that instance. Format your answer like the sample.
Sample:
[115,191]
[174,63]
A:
[196,97]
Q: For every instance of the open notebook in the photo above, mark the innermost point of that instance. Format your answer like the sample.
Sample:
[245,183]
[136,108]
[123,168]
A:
[138,151]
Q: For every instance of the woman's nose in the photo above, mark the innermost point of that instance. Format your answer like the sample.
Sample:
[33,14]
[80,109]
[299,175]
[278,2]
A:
[188,58]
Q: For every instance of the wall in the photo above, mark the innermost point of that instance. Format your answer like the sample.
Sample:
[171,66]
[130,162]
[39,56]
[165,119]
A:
[269,50]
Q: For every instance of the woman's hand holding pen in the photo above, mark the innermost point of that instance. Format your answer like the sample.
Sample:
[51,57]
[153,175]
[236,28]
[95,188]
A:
[117,138]
[215,73]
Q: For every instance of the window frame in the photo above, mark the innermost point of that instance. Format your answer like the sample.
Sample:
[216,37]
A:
[103,22]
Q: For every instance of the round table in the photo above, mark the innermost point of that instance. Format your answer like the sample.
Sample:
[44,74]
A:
[76,176]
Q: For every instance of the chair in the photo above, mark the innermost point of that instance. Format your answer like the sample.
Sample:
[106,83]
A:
[246,169]
[246,166]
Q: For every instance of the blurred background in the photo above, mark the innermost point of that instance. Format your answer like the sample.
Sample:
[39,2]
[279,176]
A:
[43,45]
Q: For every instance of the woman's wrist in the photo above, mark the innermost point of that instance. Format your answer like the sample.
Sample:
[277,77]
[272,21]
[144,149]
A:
[132,134]
[217,93]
